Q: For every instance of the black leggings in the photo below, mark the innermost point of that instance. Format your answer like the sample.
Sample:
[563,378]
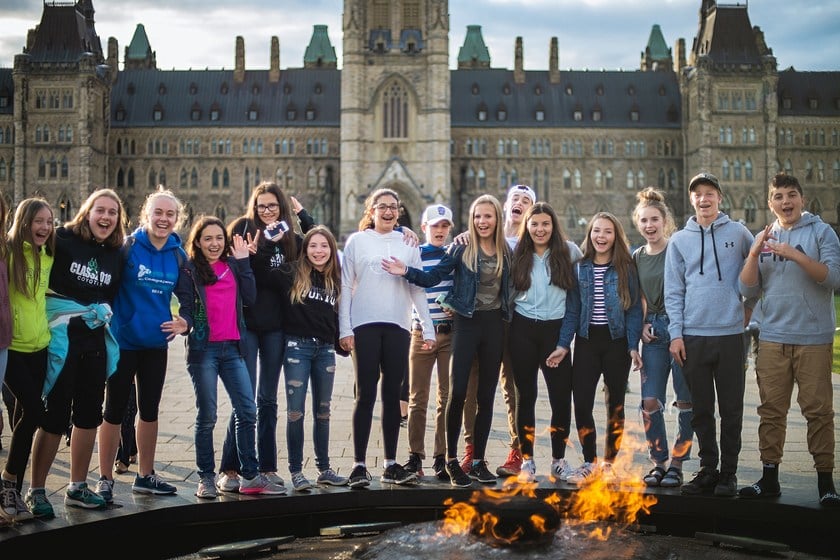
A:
[148,367]
[530,342]
[380,348]
[480,337]
[596,355]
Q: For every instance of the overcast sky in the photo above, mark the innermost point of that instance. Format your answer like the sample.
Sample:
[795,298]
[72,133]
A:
[593,34]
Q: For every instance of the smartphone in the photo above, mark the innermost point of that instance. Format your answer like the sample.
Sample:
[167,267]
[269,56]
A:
[274,230]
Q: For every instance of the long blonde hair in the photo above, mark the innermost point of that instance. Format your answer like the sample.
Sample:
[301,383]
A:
[652,198]
[303,274]
[471,251]
[621,258]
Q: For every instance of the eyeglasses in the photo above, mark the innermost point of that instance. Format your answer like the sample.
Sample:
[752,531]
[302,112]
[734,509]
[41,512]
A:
[384,207]
[263,208]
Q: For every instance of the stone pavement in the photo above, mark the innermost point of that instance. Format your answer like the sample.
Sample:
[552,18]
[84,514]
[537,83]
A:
[176,457]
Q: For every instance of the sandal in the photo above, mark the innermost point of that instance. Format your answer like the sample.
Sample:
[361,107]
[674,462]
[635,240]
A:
[654,477]
[672,478]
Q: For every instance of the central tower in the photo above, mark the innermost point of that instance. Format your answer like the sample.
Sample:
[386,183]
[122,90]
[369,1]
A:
[395,105]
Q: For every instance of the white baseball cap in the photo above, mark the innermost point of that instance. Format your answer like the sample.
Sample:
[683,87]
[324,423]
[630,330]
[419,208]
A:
[437,213]
[523,190]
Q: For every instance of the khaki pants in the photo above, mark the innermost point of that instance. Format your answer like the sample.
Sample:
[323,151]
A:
[508,392]
[420,365]
[777,368]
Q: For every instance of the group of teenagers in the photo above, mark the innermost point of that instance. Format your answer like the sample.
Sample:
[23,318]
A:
[86,319]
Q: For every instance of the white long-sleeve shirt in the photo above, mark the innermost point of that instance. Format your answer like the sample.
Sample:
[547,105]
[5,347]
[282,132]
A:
[372,295]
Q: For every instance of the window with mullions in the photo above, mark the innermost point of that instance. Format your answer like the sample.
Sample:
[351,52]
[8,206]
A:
[395,112]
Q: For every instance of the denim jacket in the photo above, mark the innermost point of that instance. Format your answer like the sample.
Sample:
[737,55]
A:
[461,297]
[621,322]
[193,300]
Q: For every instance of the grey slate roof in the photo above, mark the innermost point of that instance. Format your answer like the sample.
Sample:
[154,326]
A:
[655,95]
[63,35]
[138,92]
[727,36]
[800,87]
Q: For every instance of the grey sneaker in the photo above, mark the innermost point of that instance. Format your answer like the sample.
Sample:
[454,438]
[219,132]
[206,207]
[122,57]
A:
[152,484]
[207,489]
[331,478]
[38,503]
[22,512]
[275,478]
[227,483]
[105,488]
[83,497]
[7,500]
[260,485]
[299,482]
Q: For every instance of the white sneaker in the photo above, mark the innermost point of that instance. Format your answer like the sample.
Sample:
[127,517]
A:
[527,472]
[275,478]
[560,471]
[583,474]
[227,483]
[260,485]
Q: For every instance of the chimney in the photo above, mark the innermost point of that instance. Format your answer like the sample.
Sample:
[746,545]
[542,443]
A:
[553,62]
[113,58]
[239,67]
[274,69]
[518,71]
[679,60]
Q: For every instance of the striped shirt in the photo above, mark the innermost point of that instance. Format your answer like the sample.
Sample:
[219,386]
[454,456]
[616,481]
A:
[599,312]
[430,256]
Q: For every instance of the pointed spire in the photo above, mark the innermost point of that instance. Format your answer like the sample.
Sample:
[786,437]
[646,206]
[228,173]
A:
[657,54]
[474,53]
[139,53]
[320,53]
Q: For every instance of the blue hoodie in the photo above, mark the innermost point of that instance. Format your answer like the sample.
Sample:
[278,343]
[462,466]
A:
[794,308]
[702,266]
[148,280]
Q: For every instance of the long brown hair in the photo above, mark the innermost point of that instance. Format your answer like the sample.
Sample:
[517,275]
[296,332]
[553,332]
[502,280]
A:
[203,270]
[559,260]
[470,256]
[621,258]
[80,226]
[4,216]
[303,275]
[20,233]
[289,243]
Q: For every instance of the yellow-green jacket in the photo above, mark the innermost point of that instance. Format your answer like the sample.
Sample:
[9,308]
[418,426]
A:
[30,331]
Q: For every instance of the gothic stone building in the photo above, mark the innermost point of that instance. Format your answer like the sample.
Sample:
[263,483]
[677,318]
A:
[395,115]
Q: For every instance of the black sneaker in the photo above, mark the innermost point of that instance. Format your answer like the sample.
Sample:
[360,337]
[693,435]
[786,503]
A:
[481,473]
[414,464]
[727,485]
[396,474]
[704,482]
[359,478]
[439,467]
[457,477]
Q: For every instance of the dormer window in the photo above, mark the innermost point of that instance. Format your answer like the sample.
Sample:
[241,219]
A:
[475,89]
[193,88]
[195,112]
[596,115]
[162,89]
[287,88]
[569,89]
[215,113]
[506,89]
[539,115]
[537,89]
[253,113]
[224,89]
[482,112]
[291,112]
[634,115]
[599,89]
[631,90]
[255,89]
[318,89]
[578,114]
[813,103]
[662,91]
[501,115]
[130,89]
[157,112]
[120,114]
[310,113]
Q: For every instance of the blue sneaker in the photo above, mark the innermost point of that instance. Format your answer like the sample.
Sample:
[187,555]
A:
[152,484]
[105,488]
[38,504]
[83,497]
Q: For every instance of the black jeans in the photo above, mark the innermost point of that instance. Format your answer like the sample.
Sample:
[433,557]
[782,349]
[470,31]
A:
[380,348]
[480,337]
[600,354]
[530,342]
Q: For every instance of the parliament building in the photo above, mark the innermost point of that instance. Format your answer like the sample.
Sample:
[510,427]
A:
[75,117]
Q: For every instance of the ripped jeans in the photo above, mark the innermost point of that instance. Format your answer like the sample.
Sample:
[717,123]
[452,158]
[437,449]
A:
[658,363]
[308,360]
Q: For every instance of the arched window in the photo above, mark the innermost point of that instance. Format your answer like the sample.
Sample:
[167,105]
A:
[750,210]
[577,179]
[567,179]
[214,179]
[129,181]
[470,177]
[42,169]
[183,179]
[672,179]
[820,171]
[120,177]
[220,212]
[640,178]
[748,170]
[631,182]
[736,170]
[724,168]
[660,179]
[152,178]
[225,179]
[395,112]
[608,179]
[482,179]
[599,179]
[726,204]
[809,170]
[194,178]
[815,207]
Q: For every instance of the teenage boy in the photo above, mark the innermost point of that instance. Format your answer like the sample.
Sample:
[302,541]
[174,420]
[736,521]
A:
[708,316]
[794,267]
[436,224]
[519,199]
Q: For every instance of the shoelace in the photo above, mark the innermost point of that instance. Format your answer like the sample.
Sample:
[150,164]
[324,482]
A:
[8,498]
[19,503]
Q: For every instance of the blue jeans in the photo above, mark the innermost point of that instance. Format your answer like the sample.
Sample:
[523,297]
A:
[658,363]
[221,360]
[308,360]
[269,345]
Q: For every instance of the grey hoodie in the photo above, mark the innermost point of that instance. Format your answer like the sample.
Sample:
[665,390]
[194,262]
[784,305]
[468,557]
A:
[702,266]
[794,308]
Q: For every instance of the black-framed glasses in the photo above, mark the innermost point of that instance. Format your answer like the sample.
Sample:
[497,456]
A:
[384,207]
[263,208]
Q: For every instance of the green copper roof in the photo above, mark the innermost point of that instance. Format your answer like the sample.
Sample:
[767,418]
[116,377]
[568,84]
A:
[139,47]
[474,47]
[320,48]
[656,44]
